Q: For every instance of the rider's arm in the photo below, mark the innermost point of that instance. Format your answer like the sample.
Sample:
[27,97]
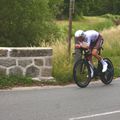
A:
[84,45]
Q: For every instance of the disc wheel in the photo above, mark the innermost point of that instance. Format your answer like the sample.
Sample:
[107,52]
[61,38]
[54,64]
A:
[107,76]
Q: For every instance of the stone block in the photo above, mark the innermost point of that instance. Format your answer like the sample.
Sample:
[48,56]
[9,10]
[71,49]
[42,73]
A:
[35,62]
[30,52]
[38,62]
[46,72]
[32,71]
[48,61]
[15,71]
[24,63]
[3,53]
[47,79]
[7,62]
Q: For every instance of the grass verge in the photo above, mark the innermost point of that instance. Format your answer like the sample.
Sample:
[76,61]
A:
[8,82]
[62,68]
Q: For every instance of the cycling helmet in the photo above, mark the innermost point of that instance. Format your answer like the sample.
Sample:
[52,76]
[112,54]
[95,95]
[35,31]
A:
[79,33]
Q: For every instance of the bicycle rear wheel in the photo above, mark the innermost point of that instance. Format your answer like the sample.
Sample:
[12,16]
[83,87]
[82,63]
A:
[107,76]
[81,73]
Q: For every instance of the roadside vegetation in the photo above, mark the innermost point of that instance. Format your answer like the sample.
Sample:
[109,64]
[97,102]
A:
[45,23]
[112,47]
[85,23]
[62,68]
[8,82]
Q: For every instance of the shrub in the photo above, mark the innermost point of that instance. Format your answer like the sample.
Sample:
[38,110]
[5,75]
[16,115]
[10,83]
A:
[103,25]
[25,22]
[114,18]
[56,7]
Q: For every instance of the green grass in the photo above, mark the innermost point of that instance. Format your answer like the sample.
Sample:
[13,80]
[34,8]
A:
[96,23]
[62,69]
[8,82]
[116,62]
[13,81]
[112,47]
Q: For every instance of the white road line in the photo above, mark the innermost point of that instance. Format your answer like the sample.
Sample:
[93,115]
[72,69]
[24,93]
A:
[95,115]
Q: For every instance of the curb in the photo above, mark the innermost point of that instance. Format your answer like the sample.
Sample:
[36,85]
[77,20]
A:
[37,87]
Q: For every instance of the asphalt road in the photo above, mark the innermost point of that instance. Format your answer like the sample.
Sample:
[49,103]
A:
[96,102]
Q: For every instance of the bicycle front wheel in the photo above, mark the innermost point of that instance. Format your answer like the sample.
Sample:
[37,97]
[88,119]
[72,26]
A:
[81,73]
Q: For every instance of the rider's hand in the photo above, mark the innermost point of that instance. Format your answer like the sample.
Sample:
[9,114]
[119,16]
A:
[77,46]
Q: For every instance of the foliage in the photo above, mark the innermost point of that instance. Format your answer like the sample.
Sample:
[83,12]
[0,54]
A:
[92,7]
[114,18]
[25,23]
[56,7]
[62,69]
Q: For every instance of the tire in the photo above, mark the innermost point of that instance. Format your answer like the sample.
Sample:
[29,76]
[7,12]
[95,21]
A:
[107,76]
[81,73]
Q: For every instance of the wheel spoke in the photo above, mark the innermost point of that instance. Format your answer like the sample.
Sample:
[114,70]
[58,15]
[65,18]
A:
[81,74]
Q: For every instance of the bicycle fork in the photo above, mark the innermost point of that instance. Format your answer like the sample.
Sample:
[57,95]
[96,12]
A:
[91,69]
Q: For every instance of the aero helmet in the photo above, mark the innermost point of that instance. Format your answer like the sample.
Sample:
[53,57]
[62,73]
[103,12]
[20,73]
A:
[79,33]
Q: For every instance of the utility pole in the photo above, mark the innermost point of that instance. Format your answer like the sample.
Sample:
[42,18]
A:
[71,11]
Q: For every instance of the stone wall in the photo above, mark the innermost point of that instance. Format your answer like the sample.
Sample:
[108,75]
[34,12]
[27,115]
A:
[33,62]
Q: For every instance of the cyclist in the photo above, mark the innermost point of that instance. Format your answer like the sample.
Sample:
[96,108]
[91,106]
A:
[91,40]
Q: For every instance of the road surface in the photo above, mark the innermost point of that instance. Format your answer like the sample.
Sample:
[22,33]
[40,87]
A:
[96,102]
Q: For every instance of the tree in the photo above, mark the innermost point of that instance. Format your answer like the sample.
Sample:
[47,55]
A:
[93,7]
[56,7]
[116,6]
[25,22]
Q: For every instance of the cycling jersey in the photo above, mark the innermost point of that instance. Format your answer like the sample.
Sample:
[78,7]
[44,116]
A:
[91,36]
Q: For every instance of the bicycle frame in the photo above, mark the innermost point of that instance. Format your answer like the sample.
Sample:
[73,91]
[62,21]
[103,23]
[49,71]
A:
[86,53]
[92,71]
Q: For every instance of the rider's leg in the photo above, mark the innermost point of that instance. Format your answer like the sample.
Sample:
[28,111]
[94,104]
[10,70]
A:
[96,55]
[95,52]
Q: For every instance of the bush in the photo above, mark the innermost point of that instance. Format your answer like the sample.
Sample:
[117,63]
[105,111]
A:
[114,18]
[25,23]
[56,7]
[103,25]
